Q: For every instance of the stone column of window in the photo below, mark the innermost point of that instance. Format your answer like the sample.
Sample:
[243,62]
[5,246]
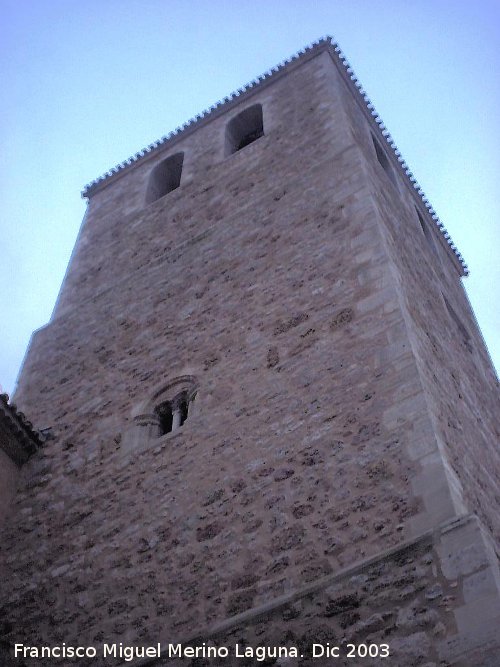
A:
[191,405]
[176,413]
[149,425]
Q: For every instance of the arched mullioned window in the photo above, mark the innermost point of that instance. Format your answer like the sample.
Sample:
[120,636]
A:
[165,177]
[173,412]
[244,129]
[167,409]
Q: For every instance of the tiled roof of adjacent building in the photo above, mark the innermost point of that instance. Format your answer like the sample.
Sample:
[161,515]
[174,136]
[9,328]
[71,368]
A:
[18,438]
[323,44]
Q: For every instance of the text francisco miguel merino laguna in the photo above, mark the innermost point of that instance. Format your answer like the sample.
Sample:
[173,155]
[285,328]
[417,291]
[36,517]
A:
[258,653]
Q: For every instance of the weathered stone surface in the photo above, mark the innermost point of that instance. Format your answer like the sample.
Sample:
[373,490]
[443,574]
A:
[344,612]
[337,409]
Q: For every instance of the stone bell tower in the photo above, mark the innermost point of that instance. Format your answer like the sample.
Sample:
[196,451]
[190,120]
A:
[271,411]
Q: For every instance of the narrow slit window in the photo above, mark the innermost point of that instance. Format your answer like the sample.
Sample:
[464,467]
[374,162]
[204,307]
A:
[464,334]
[165,177]
[427,232]
[384,161]
[244,129]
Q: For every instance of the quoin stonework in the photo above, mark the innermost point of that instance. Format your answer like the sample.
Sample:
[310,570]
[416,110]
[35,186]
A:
[267,413]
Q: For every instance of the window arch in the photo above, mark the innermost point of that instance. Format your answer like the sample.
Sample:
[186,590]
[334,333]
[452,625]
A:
[164,177]
[244,129]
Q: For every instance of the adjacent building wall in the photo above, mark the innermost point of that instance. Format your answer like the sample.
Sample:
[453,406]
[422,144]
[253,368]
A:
[8,483]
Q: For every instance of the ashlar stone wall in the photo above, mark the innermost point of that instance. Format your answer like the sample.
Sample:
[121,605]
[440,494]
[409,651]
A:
[459,379]
[269,277]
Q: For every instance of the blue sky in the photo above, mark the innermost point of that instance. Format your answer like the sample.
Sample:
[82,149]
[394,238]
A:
[88,83]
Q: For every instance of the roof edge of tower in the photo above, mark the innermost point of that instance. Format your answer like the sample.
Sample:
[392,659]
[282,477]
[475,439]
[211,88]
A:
[383,133]
[322,44]
[213,111]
